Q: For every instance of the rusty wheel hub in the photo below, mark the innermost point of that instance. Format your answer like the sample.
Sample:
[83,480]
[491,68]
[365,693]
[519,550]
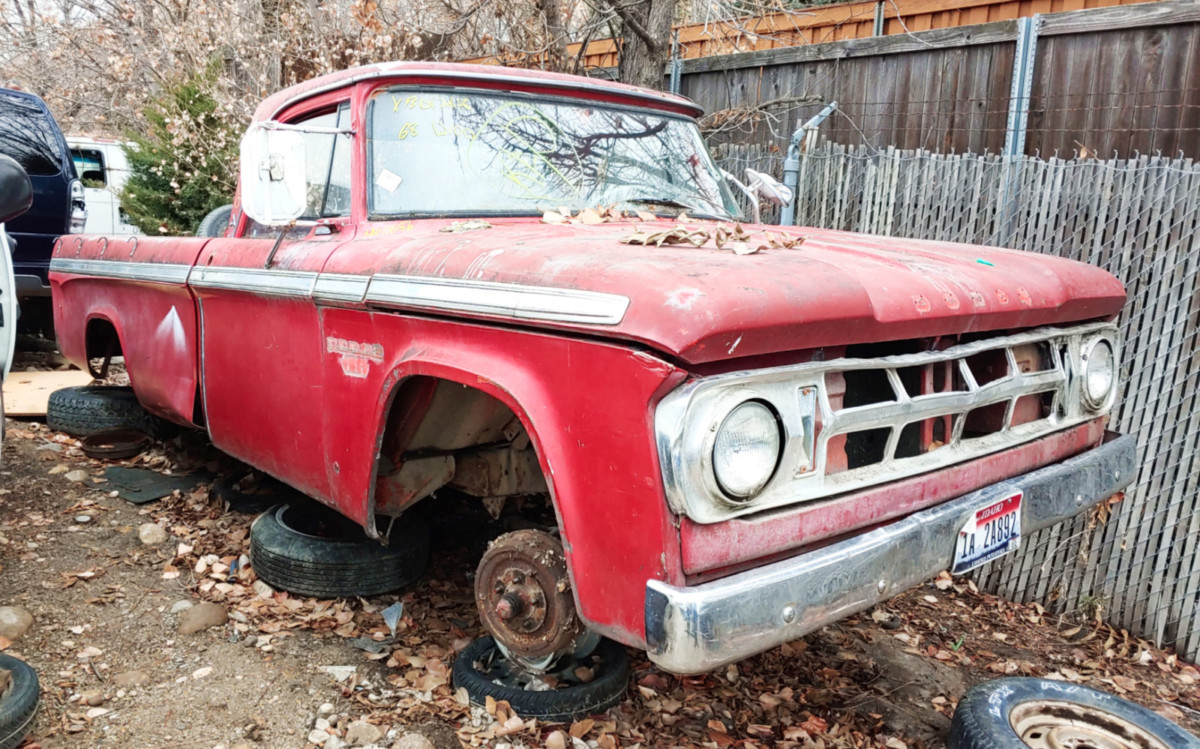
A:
[524,598]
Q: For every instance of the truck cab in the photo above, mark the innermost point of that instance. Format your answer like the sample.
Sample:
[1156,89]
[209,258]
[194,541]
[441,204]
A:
[103,170]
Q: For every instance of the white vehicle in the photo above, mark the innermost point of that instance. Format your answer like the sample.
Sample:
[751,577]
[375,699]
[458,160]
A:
[16,195]
[103,169]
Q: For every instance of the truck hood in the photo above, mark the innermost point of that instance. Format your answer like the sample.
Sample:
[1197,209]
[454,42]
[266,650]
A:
[703,304]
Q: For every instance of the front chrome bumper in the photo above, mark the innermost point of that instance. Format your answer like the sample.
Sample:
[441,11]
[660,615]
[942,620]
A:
[698,628]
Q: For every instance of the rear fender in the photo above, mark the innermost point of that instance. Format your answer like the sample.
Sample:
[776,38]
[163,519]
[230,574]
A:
[155,321]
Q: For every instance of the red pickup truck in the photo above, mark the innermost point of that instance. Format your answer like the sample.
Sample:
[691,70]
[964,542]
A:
[449,276]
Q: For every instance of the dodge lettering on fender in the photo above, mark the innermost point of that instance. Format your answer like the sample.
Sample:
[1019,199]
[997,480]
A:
[481,279]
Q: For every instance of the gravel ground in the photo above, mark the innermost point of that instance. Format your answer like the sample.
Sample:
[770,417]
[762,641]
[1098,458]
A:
[116,671]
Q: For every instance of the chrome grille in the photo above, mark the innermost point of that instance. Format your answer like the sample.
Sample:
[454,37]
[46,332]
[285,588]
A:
[976,406]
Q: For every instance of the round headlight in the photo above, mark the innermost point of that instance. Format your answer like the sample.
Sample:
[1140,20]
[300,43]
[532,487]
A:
[746,450]
[1099,373]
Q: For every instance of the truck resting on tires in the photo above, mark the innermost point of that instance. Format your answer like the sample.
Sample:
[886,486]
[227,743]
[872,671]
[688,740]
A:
[738,448]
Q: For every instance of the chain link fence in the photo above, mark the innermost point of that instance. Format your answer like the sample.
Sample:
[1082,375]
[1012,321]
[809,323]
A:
[1138,566]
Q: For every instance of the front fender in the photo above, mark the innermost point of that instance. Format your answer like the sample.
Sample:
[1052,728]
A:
[588,408]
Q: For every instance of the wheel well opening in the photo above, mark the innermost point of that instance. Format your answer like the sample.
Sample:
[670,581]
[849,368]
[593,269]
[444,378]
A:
[101,340]
[443,435]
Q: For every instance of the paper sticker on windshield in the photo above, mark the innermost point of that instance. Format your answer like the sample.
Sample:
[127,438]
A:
[355,358]
[388,180]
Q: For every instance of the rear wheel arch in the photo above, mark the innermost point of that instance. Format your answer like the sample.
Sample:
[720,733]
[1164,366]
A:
[101,338]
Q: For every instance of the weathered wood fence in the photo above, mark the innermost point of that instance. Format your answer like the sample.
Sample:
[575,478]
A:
[1121,79]
[1140,219]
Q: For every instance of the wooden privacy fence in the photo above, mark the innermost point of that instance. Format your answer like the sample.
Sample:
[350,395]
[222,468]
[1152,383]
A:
[1140,219]
[814,25]
[1120,79]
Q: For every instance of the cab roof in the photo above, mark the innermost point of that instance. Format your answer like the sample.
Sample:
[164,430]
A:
[476,76]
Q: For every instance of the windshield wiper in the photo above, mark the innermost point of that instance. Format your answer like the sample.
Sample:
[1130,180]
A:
[673,203]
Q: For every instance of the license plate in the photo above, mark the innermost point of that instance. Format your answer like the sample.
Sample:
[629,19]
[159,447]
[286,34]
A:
[990,533]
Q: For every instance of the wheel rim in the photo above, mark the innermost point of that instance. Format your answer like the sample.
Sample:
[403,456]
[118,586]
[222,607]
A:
[1051,724]
[318,523]
[563,672]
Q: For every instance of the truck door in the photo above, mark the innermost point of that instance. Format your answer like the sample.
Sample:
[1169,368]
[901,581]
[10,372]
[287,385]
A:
[260,332]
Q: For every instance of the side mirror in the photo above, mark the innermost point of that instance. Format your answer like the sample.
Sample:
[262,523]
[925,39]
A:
[772,190]
[16,191]
[274,187]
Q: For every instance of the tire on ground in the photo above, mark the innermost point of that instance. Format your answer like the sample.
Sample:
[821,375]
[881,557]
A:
[215,222]
[20,702]
[982,719]
[86,410]
[307,549]
[606,689]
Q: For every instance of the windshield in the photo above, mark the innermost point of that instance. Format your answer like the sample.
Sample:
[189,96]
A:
[468,153]
[29,135]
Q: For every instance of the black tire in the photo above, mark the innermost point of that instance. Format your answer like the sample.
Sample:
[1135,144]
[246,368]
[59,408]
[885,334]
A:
[983,717]
[19,705]
[555,705]
[84,411]
[215,222]
[308,549]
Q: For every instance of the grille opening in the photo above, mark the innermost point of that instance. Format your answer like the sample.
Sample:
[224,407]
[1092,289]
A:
[913,380]
[924,436]
[935,377]
[1033,407]
[865,387]
[988,366]
[985,420]
[1034,357]
[866,448]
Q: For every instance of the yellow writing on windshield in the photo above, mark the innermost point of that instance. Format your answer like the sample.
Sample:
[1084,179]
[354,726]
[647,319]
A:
[415,101]
[441,129]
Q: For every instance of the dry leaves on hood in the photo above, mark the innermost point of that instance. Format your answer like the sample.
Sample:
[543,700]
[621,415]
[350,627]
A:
[674,235]
[725,236]
[590,216]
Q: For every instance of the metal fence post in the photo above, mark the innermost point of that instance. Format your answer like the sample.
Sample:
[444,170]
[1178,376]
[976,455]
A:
[1024,60]
[676,63]
[795,168]
[878,30]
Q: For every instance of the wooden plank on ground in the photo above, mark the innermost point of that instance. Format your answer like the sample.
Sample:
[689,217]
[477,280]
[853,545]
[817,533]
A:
[26,393]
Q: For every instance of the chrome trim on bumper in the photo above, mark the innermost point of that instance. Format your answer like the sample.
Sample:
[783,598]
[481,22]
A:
[699,628]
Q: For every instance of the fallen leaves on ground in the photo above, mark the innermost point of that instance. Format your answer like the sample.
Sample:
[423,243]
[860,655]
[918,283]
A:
[848,685]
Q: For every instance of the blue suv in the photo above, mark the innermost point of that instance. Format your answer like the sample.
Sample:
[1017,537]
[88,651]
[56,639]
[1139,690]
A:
[29,134]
